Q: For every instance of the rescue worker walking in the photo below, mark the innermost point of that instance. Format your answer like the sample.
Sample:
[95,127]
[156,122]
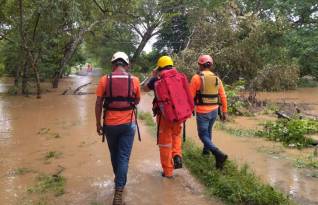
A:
[118,93]
[169,133]
[208,92]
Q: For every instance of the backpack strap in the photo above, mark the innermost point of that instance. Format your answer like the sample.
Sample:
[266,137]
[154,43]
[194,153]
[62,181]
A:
[111,99]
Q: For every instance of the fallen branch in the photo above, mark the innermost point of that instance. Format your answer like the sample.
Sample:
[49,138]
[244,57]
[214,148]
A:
[65,91]
[80,87]
[282,115]
[85,93]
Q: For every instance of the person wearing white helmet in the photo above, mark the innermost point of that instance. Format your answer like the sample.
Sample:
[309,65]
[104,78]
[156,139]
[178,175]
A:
[118,93]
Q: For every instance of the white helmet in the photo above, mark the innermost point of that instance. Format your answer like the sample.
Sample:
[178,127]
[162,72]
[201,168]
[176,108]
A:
[120,55]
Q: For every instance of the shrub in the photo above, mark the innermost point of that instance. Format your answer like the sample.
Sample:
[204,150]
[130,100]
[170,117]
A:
[290,132]
[276,77]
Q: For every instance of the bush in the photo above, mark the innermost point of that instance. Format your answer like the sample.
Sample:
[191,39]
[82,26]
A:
[276,77]
[290,132]
[233,185]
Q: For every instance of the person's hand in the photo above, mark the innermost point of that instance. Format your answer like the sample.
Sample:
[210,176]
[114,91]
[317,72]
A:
[154,73]
[224,116]
[99,129]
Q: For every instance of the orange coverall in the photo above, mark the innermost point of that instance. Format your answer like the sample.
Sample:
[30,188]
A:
[169,140]
[169,143]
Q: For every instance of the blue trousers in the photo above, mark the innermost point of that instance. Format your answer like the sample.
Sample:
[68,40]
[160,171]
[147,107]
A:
[205,122]
[120,139]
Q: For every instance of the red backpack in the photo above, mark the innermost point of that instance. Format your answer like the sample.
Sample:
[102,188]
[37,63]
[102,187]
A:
[173,96]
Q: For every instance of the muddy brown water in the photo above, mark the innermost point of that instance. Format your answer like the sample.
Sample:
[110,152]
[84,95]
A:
[29,128]
[87,163]
[307,96]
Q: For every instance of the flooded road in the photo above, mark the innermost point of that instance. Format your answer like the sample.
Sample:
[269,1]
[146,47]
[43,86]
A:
[30,128]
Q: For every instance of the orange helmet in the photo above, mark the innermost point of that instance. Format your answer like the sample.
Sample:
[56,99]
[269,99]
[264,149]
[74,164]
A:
[203,59]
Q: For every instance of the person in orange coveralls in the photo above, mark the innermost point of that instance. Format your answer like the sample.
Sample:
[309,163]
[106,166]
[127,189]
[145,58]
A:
[208,92]
[169,133]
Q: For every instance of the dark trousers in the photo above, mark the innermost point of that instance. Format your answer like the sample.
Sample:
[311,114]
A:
[120,139]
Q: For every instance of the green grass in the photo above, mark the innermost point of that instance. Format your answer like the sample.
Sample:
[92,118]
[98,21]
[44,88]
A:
[22,171]
[235,131]
[233,185]
[147,118]
[291,133]
[52,155]
[309,161]
[303,83]
[47,183]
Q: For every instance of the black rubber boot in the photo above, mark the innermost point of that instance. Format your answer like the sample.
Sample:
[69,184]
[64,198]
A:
[205,152]
[177,162]
[118,196]
[220,159]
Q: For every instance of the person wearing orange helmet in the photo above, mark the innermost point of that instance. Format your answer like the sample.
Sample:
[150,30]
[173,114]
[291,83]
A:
[208,92]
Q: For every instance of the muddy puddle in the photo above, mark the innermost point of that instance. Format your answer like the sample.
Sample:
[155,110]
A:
[31,128]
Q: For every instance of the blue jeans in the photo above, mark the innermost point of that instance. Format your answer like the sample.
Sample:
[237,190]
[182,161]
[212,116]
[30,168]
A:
[205,122]
[120,139]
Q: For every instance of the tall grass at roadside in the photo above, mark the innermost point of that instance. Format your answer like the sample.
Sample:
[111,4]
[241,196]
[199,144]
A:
[233,185]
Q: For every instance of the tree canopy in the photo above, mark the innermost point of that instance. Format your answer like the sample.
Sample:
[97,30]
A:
[255,40]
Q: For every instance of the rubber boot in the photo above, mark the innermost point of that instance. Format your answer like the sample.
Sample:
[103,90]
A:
[205,152]
[177,162]
[118,196]
[220,159]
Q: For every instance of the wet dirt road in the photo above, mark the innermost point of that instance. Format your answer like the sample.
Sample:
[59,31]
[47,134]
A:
[30,128]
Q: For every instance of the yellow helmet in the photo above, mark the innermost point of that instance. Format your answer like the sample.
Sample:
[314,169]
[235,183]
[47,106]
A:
[164,61]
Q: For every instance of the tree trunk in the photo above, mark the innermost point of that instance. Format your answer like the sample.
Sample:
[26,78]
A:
[25,90]
[145,38]
[69,51]
[17,76]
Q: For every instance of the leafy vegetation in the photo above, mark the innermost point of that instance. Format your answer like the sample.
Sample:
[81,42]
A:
[53,155]
[309,161]
[270,44]
[234,185]
[46,183]
[291,133]
[20,171]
